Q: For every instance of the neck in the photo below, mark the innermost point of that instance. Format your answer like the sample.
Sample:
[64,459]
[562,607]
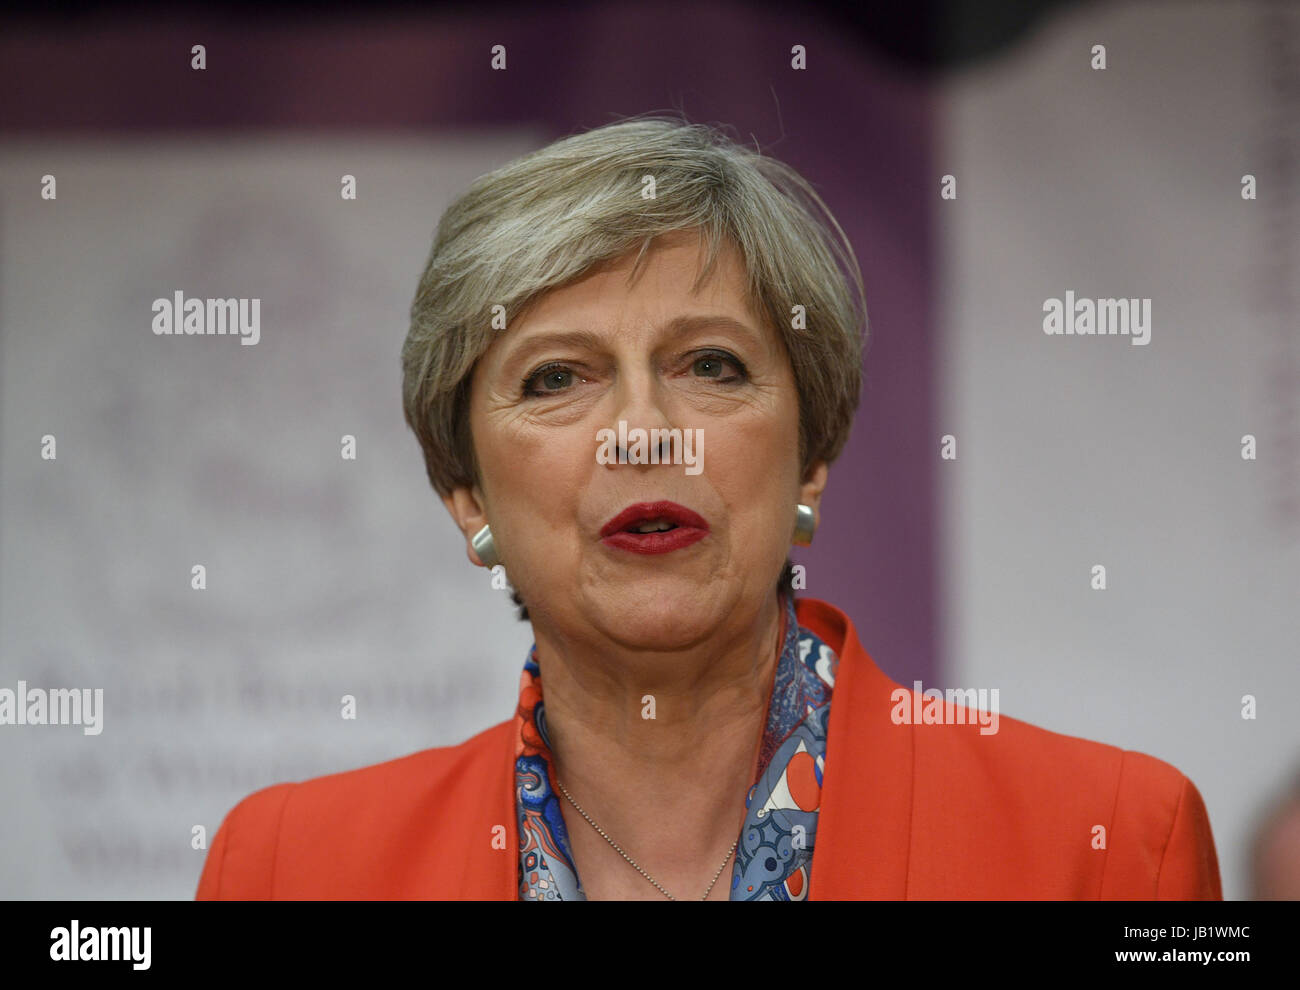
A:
[670,789]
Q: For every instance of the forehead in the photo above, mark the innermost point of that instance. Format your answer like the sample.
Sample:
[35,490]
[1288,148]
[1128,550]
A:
[657,290]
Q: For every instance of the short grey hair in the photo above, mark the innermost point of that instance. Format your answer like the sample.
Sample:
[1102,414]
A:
[546,219]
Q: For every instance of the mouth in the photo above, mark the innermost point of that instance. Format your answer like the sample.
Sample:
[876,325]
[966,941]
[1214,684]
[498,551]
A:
[654,527]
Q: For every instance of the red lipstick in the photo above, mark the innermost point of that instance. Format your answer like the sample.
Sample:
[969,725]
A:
[671,527]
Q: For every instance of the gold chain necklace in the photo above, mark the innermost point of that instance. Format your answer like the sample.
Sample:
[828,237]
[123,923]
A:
[633,862]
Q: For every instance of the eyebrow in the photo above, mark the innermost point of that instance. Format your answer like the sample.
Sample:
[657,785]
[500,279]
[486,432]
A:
[683,325]
[680,326]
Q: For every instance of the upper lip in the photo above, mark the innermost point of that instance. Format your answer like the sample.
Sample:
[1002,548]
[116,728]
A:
[642,512]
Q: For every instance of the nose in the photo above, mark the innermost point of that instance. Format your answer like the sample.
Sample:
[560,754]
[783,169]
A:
[641,419]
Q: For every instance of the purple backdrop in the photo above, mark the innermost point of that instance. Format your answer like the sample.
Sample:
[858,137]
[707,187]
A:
[860,132]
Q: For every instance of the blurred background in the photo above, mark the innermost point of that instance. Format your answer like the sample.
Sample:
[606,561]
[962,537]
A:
[329,577]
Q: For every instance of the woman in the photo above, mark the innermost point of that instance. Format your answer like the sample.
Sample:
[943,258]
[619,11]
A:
[631,358]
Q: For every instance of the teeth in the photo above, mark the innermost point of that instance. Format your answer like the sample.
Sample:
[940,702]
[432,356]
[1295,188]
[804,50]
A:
[654,526]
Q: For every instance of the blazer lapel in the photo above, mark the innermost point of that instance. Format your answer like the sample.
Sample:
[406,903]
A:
[485,853]
[864,825]
[864,822]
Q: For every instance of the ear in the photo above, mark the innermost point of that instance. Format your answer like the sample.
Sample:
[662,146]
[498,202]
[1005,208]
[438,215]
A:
[466,507]
[814,483]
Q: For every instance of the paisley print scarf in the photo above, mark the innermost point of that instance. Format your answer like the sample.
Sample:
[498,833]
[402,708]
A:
[774,854]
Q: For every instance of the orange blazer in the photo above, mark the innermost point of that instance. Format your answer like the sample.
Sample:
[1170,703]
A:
[907,812]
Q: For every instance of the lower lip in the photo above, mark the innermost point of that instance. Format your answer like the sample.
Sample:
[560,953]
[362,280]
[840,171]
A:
[665,542]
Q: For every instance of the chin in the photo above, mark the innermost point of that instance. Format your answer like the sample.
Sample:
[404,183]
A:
[663,614]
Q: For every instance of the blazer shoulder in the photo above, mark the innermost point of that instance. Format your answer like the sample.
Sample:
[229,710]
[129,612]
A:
[338,810]
[974,803]
[241,861]
[1162,842]
[428,769]
[1137,816]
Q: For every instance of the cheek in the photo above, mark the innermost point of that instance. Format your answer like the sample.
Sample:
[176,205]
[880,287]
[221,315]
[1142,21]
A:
[533,476]
[754,466]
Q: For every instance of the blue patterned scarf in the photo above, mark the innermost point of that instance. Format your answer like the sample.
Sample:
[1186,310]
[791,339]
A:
[775,849]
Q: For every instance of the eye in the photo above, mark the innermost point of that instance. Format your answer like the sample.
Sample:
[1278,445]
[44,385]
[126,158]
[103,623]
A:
[720,366]
[549,378]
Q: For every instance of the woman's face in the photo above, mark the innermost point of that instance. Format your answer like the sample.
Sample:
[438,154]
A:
[656,357]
